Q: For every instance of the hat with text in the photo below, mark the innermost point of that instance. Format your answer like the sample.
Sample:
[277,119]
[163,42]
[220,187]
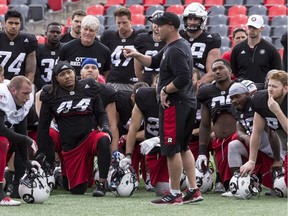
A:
[256,21]
[168,18]
[61,66]
[238,88]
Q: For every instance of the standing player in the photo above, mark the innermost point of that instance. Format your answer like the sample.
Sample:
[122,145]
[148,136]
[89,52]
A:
[148,44]
[270,108]
[75,30]
[205,47]
[215,108]
[86,47]
[47,55]
[82,124]
[122,75]
[177,108]
[17,49]
[15,97]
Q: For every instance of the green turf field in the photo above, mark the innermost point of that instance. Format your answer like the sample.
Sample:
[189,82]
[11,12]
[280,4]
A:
[63,203]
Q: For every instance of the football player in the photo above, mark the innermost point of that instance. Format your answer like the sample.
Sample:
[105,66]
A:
[82,125]
[122,75]
[270,108]
[17,48]
[75,29]
[86,47]
[205,47]
[215,107]
[16,98]
[47,55]
[148,44]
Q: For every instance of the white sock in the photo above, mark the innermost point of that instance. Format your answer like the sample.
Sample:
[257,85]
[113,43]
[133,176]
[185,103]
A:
[174,192]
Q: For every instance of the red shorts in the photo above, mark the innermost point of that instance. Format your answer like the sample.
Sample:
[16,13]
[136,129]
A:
[286,169]
[4,145]
[157,165]
[220,147]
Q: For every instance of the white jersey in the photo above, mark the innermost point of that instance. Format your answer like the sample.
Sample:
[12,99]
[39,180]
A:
[7,105]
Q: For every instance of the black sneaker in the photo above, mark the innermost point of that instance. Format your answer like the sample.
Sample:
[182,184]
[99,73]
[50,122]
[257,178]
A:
[100,190]
[193,196]
[169,199]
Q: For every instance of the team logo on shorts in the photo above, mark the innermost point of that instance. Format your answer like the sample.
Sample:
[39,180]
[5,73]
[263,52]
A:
[169,140]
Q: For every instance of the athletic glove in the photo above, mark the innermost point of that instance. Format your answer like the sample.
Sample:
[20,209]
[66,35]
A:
[200,160]
[117,156]
[125,162]
[106,130]
[149,144]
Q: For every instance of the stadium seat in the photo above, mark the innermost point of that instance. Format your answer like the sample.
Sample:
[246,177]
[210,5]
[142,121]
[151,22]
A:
[237,10]
[150,10]
[112,27]
[277,10]
[276,42]
[137,9]
[152,2]
[100,30]
[267,38]
[209,3]
[3,9]
[56,6]
[177,9]
[250,3]
[238,20]
[138,19]
[41,39]
[217,19]
[97,9]
[224,49]
[68,22]
[173,2]
[222,30]
[138,27]
[187,2]
[42,2]
[266,19]
[270,3]
[279,31]
[3,2]
[101,19]
[279,20]
[110,10]
[266,31]
[133,2]
[225,41]
[230,3]
[217,9]
[110,20]
[36,13]
[18,2]
[114,2]
[23,9]
[257,9]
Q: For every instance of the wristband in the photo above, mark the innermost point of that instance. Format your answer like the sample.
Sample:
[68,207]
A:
[253,162]
[164,90]
[202,149]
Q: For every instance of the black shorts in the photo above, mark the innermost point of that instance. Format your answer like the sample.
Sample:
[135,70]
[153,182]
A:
[175,128]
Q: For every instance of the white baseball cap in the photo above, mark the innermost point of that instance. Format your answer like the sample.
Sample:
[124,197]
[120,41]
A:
[255,21]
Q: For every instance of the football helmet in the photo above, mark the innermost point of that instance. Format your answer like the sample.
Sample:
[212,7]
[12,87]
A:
[279,184]
[122,182]
[195,10]
[34,187]
[244,187]
[204,179]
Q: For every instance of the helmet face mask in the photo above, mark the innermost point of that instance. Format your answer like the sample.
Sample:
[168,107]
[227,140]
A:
[195,10]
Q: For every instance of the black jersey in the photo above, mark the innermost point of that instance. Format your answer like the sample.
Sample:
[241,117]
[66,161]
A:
[245,116]
[74,52]
[145,44]
[66,37]
[122,70]
[46,60]
[76,112]
[176,65]
[13,53]
[216,100]
[260,106]
[146,101]
[201,46]
[254,64]
[124,108]
[107,94]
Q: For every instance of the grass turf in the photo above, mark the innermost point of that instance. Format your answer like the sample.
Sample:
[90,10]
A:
[63,203]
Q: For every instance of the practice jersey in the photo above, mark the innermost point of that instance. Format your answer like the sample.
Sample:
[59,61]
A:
[217,101]
[145,44]
[13,53]
[201,46]
[74,52]
[122,70]
[145,99]
[13,114]
[66,37]
[46,60]
[76,112]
